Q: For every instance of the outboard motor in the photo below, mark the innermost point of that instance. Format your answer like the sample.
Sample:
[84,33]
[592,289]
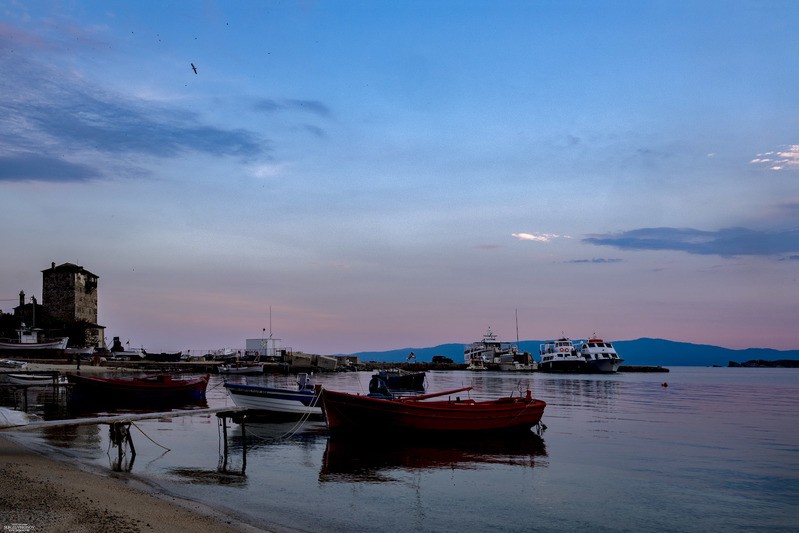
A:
[378,388]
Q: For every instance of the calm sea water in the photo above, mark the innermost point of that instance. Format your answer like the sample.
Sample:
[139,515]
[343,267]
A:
[718,449]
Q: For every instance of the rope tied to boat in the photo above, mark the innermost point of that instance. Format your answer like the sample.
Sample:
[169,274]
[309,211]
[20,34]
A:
[296,427]
[150,439]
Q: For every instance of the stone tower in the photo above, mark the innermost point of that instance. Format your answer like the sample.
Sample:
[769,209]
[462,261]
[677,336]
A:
[69,293]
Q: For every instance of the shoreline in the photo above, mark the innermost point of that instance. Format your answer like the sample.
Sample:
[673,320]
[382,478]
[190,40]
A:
[47,493]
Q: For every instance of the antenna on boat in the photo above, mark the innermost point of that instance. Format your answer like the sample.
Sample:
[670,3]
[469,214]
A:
[270,321]
[517,327]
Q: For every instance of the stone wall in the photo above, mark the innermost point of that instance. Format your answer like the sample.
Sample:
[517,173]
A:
[70,293]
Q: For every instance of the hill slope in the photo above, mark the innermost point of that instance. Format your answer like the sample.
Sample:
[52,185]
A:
[643,351]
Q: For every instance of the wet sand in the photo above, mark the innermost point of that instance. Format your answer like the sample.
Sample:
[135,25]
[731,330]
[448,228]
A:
[47,494]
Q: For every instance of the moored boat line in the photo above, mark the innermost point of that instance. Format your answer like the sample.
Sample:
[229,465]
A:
[593,355]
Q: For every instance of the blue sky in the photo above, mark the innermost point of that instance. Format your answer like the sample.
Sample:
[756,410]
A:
[392,174]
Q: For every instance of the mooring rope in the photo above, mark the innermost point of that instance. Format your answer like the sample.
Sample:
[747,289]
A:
[148,437]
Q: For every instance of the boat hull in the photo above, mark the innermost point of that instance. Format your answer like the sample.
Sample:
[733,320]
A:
[35,350]
[517,367]
[564,366]
[604,366]
[242,370]
[163,357]
[275,401]
[156,389]
[32,379]
[349,412]
[397,380]
[59,344]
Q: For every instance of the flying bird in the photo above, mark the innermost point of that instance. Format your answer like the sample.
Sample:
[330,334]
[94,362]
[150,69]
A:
[194,68]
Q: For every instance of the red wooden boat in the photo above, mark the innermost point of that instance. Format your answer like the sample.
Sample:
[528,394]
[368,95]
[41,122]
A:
[158,387]
[351,412]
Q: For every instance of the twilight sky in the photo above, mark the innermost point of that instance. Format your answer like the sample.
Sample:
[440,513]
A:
[405,174]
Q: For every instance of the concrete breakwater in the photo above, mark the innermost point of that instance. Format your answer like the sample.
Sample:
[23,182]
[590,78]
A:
[212,367]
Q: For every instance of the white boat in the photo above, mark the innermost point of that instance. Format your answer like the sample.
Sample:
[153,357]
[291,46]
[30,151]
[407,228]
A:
[11,363]
[600,356]
[83,353]
[31,343]
[222,354]
[131,354]
[121,353]
[34,379]
[304,400]
[477,365]
[560,356]
[241,368]
[516,366]
[491,354]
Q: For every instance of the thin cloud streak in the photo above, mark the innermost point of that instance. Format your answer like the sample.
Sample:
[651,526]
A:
[269,105]
[33,167]
[594,261]
[538,237]
[725,242]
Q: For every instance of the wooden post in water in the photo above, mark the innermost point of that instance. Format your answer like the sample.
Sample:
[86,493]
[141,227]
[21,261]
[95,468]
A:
[243,444]
[224,442]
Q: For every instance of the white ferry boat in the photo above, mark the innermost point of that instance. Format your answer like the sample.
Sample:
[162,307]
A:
[491,354]
[560,356]
[600,356]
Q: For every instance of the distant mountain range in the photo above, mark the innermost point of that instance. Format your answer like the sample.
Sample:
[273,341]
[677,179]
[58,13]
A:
[644,352]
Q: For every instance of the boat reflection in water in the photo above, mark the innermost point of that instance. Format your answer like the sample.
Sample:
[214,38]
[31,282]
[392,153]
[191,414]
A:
[349,459]
[248,435]
[262,433]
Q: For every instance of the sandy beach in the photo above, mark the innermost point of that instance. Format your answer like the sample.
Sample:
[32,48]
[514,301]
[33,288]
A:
[47,494]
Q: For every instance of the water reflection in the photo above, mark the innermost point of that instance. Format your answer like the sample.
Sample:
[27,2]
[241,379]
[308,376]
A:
[73,436]
[249,436]
[593,394]
[265,433]
[348,459]
[80,407]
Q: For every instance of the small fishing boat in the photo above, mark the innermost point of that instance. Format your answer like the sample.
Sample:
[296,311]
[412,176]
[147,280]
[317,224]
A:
[241,368]
[84,353]
[379,415]
[600,356]
[30,342]
[163,357]
[121,353]
[396,379]
[304,400]
[31,379]
[155,388]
